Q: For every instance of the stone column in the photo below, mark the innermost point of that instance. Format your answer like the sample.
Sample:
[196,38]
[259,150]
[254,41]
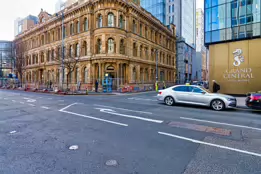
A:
[118,75]
[100,74]
[138,74]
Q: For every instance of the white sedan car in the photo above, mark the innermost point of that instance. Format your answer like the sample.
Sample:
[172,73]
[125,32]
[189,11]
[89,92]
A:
[196,95]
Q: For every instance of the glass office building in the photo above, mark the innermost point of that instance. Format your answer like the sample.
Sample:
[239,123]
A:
[6,59]
[156,8]
[231,20]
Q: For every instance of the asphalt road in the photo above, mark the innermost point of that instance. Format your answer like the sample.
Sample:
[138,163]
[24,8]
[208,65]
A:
[123,134]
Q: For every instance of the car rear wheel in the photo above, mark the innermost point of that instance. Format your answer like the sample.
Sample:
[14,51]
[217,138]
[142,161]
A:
[169,101]
[217,105]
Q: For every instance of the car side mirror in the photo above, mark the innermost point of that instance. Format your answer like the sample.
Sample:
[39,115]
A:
[203,92]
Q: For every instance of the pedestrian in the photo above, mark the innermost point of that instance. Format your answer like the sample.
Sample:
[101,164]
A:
[51,83]
[96,85]
[216,86]
[79,85]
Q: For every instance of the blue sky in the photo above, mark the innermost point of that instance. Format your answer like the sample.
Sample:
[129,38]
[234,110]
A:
[12,9]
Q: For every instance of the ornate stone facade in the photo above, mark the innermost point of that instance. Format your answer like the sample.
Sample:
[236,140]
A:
[115,37]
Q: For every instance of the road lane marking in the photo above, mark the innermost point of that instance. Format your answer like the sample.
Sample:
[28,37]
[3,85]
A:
[214,122]
[94,118]
[5,98]
[13,101]
[22,102]
[67,107]
[44,107]
[210,144]
[31,104]
[123,109]
[50,98]
[60,100]
[143,99]
[109,111]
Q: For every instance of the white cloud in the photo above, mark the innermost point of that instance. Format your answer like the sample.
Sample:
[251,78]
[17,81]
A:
[12,9]
[200,4]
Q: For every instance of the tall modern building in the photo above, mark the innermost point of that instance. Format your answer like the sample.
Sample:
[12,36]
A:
[181,13]
[23,24]
[232,34]
[6,59]
[156,8]
[200,63]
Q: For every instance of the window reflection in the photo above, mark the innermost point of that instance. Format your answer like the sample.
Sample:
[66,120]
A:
[229,20]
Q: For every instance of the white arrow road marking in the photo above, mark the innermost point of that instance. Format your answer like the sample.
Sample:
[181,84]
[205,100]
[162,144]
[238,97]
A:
[44,107]
[123,109]
[90,117]
[109,111]
[210,144]
[29,100]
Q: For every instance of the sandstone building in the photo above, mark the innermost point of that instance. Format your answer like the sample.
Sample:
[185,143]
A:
[113,37]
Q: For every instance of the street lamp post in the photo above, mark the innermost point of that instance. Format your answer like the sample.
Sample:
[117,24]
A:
[62,68]
[156,84]
[1,68]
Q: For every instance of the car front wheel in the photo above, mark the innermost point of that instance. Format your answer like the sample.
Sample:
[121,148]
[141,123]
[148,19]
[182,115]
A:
[217,105]
[169,101]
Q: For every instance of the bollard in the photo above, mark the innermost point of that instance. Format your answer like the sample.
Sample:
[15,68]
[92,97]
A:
[86,91]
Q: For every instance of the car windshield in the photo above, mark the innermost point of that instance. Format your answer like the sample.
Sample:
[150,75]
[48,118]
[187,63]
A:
[208,91]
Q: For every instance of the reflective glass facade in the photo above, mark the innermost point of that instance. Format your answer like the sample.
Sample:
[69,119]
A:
[156,8]
[6,58]
[228,20]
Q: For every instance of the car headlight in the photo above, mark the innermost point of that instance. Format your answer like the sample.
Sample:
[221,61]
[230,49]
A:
[230,99]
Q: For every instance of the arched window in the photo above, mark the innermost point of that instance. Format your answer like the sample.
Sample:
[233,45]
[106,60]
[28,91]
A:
[52,54]
[122,47]
[71,51]
[42,57]
[59,53]
[134,75]
[146,53]
[59,34]
[53,36]
[77,75]
[42,39]
[99,21]
[135,50]
[111,48]
[146,32]
[84,49]
[78,27]
[71,29]
[85,75]
[110,20]
[48,37]
[146,75]
[64,31]
[134,27]
[48,55]
[121,22]
[85,24]
[99,46]
[141,51]
[77,50]
[141,28]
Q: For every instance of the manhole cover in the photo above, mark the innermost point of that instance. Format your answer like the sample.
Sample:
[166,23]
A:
[73,147]
[12,132]
[111,163]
